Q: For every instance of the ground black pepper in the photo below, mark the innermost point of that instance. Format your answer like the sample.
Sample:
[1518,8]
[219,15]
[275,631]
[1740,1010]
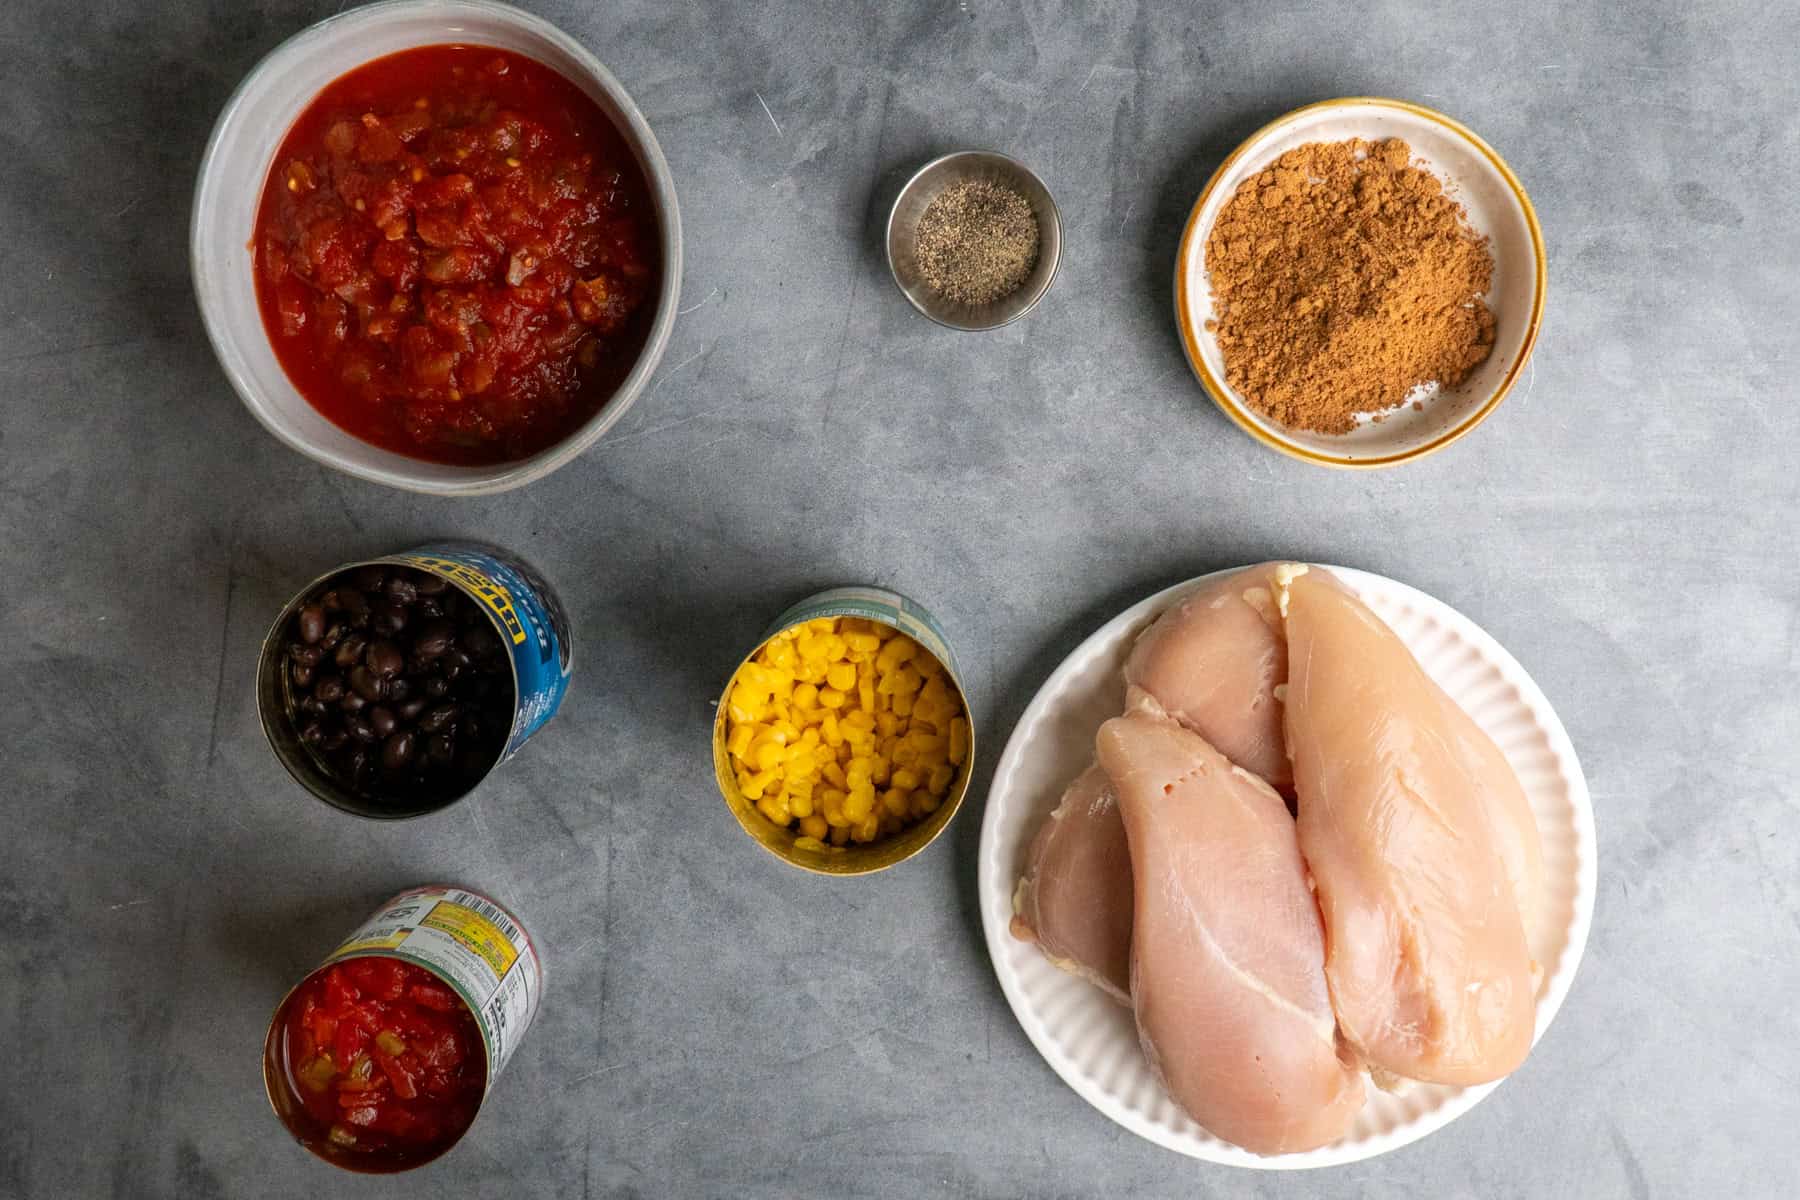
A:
[977,242]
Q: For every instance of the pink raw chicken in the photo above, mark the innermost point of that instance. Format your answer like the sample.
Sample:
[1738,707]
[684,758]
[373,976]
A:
[1515,829]
[1227,972]
[1213,663]
[1426,954]
[1074,899]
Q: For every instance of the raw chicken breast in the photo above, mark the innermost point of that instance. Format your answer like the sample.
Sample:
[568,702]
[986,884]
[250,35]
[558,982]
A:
[1425,952]
[1214,661]
[1227,970]
[1074,899]
[1515,829]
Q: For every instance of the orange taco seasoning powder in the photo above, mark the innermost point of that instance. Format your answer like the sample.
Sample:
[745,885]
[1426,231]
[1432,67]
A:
[1343,277]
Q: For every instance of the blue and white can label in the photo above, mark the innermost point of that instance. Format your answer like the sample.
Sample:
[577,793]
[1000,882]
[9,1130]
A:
[528,615]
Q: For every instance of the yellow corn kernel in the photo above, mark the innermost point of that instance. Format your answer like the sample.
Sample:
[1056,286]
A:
[844,752]
[959,740]
[830,697]
[859,803]
[809,647]
[904,779]
[822,624]
[767,756]
[861,768]
[831,804]
[867,828]
[860,641]
[828,727]
[809,736]
[931,803]
[742,707]
[811,671]
[834,775]
[903,704]
[814,826]
[840,834]
[939,780]
[806,695]
[800,804]
[898,649]
[835,647]
[861,720]
[842,676]
[739,740]
[894,800]
[888,723]
[786,729]
[808,843]
[883,768]
[906,755]
[919,800]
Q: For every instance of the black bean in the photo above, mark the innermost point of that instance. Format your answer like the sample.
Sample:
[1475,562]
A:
[429,606]
[313,733]
[330,601]
[356,606]
[329,688]
[384,658]
[357,764]
[397,751]
[334,741]
[312,706]
[431,585]
[409,710]
[303,674]
[382,720]
[437,687]
[388,620]
[367,683]
[434,638]
[399,688]
[481,640]
[454,663]
[359,729]
[350,650]
[370,578]
[440,718]
[402,590]
[440,748]
[312,623]
[334,635]
[305,655]
[352,702]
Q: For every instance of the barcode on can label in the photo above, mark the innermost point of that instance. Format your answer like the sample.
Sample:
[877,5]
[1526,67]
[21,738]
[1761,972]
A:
[472,944]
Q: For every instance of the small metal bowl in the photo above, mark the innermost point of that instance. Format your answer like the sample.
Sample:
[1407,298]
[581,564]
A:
[903,230]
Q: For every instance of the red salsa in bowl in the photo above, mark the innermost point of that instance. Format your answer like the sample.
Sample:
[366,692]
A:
[383,1064]
[455,255]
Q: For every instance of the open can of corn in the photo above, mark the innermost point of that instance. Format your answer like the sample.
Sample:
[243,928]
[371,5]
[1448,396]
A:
[843,742]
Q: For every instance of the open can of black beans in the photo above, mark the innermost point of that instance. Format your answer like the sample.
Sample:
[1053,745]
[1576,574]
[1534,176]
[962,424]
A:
[392,687]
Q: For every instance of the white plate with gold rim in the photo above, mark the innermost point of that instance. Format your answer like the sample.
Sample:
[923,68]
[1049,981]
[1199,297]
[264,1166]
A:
[1091,1041]
[1498,209]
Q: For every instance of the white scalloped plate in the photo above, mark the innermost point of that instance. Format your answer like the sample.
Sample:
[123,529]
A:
[1091,1041]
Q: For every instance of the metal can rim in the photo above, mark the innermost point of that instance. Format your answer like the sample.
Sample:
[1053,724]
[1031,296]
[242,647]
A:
[271,1063]
[852,862]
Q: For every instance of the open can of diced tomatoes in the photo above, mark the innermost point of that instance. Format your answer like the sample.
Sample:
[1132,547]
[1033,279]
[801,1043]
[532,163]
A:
[476,636]
[903,709]
[379,1060]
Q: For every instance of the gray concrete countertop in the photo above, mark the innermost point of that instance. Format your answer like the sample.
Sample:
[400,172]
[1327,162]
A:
[718,1025]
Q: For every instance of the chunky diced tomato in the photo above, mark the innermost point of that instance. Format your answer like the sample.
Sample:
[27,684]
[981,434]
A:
[481,195]
[383,1047]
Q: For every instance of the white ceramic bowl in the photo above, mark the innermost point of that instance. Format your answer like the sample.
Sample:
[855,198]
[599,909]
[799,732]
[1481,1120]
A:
[230,186]
[1090,1040]
[1497,207]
